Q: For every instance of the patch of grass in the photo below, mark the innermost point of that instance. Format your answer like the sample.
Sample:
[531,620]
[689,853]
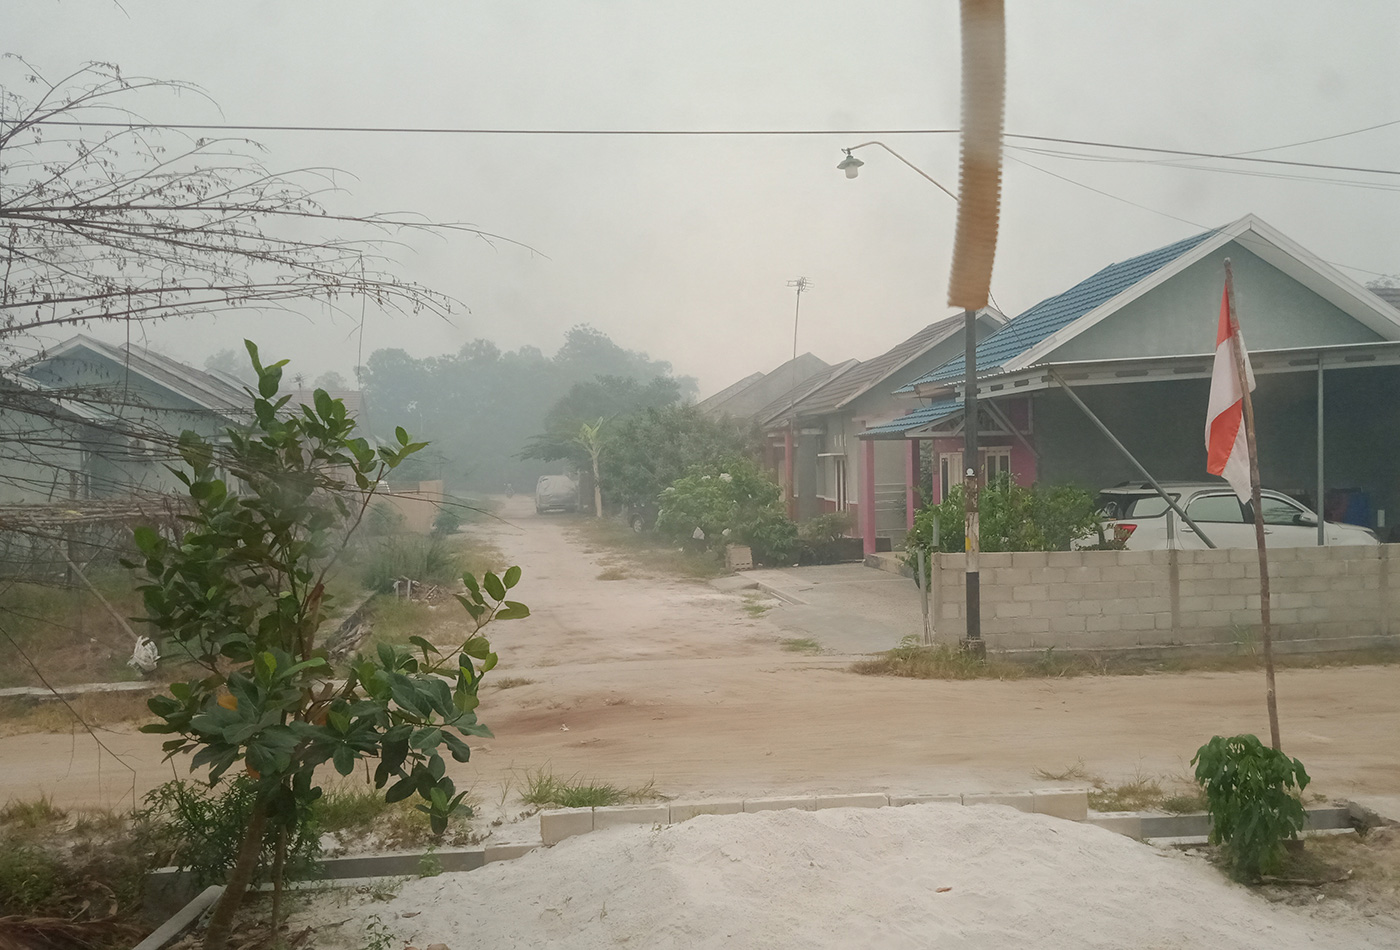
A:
[348,809]
[510,682]
[544,789]
[801,645]
[394,620]
[33,814]
[945,661]
[362,813]
[1073,773]
[756,605]
[647,552]
[613,574]
[1140,794]
[942,661]
[383,560]
[30,878]
[1184,804]
[475,554]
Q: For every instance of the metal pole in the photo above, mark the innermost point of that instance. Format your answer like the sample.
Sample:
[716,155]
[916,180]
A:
[1129,456]
[1321,496]
[970,484]
[1250,446]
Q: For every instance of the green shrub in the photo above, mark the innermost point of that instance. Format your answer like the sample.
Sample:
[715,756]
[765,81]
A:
[1010,517]
[199,829]
[384,560]
[730,502]
[30,878]
[1252,794]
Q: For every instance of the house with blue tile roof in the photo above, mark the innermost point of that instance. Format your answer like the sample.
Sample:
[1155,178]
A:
[812,432]
[1134,341]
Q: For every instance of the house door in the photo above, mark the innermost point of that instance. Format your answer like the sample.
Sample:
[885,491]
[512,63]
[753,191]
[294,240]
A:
[950,472]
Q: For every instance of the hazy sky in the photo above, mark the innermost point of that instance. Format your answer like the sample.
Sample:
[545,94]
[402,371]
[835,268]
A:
[682,246]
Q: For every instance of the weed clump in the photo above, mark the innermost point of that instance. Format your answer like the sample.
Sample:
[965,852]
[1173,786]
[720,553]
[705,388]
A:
[545,790]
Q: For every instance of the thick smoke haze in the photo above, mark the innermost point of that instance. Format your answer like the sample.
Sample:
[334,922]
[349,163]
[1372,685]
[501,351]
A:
[682,246]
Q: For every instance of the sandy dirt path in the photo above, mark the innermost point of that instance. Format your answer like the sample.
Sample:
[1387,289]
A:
[653,678]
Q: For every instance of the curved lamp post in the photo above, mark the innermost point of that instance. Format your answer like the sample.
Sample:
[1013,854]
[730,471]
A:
[851,166]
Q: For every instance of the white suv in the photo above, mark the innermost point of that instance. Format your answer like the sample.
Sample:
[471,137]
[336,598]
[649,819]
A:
[1135,515]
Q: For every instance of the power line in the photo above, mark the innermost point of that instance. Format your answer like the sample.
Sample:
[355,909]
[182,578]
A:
[430,130]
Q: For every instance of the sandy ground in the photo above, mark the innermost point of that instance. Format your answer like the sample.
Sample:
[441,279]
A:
[653,678]
[919,876]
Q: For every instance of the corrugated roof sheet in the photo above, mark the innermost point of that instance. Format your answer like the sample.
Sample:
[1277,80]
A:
[1055,313]
[861,379]
[924,415]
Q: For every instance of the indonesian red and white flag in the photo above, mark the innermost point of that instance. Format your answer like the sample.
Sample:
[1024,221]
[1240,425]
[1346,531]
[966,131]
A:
[1225,438]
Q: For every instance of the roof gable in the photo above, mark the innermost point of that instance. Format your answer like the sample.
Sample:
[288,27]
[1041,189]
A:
[1055,313]
[1031,337]
[751,399]
[783,405]
[849,386]
[196,386]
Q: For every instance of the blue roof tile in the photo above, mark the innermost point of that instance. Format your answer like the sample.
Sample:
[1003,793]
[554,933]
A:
[1056,313]
[922,416]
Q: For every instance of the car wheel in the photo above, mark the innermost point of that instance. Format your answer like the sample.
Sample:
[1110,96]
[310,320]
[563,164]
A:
[638,524]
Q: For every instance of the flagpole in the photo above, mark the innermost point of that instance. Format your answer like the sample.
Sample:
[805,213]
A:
[1238,351]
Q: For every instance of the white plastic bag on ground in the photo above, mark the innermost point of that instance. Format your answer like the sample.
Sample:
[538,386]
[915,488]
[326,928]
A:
[145,657]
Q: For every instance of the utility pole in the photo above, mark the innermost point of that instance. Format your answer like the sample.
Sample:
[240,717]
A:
[971,486]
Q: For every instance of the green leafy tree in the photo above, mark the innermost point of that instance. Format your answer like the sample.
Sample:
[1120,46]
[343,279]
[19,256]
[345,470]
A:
[651,449]
[729,501]
[241,594]
[606,397]
[481,404]
[1253,795]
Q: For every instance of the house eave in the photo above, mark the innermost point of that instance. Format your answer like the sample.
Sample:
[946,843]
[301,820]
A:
[1184,366]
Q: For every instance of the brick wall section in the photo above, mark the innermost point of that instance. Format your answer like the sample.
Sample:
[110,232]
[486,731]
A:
[1323,598]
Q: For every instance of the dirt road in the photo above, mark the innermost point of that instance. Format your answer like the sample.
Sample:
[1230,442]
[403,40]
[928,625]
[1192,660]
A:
[648,677]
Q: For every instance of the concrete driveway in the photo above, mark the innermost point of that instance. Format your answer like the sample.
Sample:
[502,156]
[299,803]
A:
[847,608]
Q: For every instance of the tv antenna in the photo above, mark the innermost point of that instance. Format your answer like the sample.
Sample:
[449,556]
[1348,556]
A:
[803,285]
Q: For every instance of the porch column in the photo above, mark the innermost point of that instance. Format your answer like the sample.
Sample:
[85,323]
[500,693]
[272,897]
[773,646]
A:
[867,493]
[911,480]
[789,486]
[1321,483]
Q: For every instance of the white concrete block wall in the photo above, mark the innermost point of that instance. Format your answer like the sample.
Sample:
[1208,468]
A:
[1321,598]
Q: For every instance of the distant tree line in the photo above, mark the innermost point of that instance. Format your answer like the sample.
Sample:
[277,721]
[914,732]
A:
[496,417]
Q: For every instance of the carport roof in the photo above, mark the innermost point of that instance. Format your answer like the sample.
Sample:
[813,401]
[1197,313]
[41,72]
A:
[1139,370]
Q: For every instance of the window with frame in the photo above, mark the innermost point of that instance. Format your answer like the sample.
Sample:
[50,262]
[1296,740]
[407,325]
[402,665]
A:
[996,462]
[1218,509]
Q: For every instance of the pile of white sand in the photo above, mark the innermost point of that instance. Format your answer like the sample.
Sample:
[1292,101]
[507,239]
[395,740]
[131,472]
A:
[917,876]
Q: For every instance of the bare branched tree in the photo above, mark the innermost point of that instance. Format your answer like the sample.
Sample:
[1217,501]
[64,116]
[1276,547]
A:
[106,217]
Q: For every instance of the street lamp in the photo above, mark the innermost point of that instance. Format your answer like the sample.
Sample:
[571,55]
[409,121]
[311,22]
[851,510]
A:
[851,166]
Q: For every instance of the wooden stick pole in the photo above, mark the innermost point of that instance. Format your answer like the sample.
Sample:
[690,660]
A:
[1250,445]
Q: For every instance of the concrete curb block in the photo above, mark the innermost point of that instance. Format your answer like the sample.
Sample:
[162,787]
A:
[183,919]
[781,594]
[167,887]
